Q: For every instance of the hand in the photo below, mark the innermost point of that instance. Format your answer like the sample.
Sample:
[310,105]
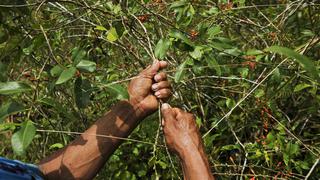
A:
[149,87]
[180,130]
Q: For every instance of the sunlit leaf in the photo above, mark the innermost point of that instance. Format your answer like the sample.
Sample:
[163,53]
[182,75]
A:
[112,35]
[13,87]
[87,66]
[300,87]
[56,146]
[162,48]
[66,75]
[100,28]
[23,137]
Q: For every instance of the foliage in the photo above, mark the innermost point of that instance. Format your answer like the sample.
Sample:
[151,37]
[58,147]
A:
[248,70]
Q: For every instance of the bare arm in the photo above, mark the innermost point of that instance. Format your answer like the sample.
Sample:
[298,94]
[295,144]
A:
[86,155]
[183,138]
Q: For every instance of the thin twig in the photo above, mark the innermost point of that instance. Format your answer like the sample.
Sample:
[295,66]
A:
[98,135]
[312,168]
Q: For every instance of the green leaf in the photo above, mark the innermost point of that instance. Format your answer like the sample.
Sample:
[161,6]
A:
[21,139]
[7,127]
[182,37]
[162,48]
[213,31]
[78,55]
[304,61]
[66,75]
[254,52]
[259,93]
[13,87]
[230,103]
[180,72]
[197,53]
[118,91]
[56,71]
[56,146]
[88,66]
[112,35]
[213,64]
[82,91]
[10,108]
[178,4]
[100,28]
[300,87]
[230,147]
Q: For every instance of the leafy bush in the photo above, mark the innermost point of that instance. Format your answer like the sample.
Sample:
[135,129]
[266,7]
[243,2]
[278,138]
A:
[248,70]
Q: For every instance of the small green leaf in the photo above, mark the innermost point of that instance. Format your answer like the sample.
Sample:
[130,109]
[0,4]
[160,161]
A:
[13,87]
[100,28]
[178,4]
[259,93]
[56,71]
[88,66]
[180,72]
[66,75]
[213,31]
[182,37]
[300,87]
[304,61]
[56,146]
[197,53]
[162,48]
[118,91]
[7,127]
[112,35]
[23,137]
[10,108]
[230,103]
[253,52]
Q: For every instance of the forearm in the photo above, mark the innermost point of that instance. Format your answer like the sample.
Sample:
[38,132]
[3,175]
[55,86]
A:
[84,157]
[195,165]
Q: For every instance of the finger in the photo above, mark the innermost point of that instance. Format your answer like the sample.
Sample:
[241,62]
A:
[163,64]
[161,85]
[163,93]
[167,112]
[160,77]
[180,114]
[153,69]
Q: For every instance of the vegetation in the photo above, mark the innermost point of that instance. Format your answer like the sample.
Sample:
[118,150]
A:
[248,70]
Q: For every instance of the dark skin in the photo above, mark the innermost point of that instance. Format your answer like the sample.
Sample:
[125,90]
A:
[183,138]
[87,154]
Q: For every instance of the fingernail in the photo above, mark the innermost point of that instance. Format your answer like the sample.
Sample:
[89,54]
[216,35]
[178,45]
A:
[157,94]
[165,106]
[154,87]
[157,78]
[155,61]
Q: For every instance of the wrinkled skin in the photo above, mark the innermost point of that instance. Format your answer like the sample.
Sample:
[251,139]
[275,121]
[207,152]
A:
[183,137]
[180,130]
[149,86]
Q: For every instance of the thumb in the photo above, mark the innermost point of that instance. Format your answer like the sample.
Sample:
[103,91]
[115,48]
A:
[153,69]
[167,112]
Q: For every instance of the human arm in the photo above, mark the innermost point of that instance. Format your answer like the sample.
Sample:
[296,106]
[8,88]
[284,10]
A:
[86,155]
[183,137]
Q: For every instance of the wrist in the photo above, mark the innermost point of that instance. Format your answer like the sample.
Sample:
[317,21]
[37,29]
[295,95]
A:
[138,108]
